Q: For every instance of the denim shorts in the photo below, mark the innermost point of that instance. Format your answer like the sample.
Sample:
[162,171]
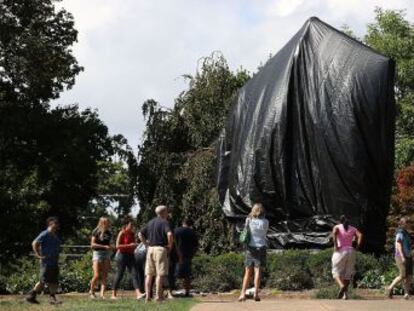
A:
[101,255]
[255,257]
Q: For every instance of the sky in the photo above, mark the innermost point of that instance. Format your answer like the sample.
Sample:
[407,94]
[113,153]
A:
[134,50]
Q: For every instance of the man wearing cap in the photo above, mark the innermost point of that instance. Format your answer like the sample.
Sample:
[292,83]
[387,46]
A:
[158,237]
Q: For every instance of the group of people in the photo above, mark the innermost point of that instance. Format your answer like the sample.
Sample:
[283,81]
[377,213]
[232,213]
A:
[155,252]
[159,253]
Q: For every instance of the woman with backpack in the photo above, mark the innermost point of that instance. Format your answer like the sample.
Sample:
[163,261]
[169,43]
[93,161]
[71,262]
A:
[255,232]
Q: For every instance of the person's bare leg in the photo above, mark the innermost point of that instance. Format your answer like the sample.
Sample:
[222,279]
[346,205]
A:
[257,279]
[246,279]
[148,287]
[346,286]
[394,283]
[38,287]
[104,276]
[158,287]
[341,285]
[96,266]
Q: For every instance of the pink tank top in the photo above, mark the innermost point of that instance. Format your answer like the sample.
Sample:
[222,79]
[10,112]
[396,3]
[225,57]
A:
[344,237]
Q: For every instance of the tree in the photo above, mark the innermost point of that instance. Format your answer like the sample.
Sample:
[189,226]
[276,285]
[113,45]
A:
[393,35]
[177,158]
[57,161]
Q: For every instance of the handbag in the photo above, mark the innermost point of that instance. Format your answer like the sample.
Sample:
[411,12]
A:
[244,237]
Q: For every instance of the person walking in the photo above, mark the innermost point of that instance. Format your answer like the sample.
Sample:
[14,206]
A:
[46,247]
[255,259]
[101,255]
[158,237]
[403,259]
[125,245]
[343,258]
[186,242]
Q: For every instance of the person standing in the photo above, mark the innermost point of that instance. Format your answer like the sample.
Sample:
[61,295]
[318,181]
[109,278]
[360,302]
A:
[186,242]
[403,259]
[125,245]
[343,258]
[101,255]
[158,237]
[256,250]
[46,247]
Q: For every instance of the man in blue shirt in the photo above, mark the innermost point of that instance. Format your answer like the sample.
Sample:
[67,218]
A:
[403,258]
[46,247]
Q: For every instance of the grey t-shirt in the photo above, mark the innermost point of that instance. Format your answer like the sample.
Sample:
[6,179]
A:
[258,230]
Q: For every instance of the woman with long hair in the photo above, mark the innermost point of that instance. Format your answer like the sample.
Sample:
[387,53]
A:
[101,246]
[343,258]
[125,245]
[255,259]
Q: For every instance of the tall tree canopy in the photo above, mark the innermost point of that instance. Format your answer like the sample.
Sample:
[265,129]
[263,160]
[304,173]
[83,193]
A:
[393,35]
[177,158]
[52,161]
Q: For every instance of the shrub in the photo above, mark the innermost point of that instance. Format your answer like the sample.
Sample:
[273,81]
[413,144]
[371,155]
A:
[75,275]
[289,271]
[24,277]
[218,274]
[320,267]
[365,263]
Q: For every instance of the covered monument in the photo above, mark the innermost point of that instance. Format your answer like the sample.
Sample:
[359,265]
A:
[311,136]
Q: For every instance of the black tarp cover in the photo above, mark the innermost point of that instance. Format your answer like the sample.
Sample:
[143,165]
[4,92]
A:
[311,136]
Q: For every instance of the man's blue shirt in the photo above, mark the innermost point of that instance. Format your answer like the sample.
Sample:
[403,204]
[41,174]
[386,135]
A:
[49,247]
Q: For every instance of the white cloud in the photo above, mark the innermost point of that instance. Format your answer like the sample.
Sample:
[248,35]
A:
[133,50]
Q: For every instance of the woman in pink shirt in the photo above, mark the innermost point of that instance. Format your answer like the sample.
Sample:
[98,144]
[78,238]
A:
[343,258]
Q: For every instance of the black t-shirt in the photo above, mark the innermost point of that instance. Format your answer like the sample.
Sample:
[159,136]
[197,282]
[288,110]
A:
[186,241]
[104,238]
[156,232]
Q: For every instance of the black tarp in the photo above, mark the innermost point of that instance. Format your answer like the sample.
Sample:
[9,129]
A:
[311,136]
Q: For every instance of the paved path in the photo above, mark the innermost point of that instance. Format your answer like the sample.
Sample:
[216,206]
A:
[307,305]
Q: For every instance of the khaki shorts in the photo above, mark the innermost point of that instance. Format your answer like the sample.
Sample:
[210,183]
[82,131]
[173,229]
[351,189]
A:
[157,261]
[343,263]
[405,268]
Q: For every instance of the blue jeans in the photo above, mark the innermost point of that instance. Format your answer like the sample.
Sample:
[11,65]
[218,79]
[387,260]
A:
[125,261]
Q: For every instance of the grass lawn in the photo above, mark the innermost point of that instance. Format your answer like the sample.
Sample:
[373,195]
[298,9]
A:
[84,303]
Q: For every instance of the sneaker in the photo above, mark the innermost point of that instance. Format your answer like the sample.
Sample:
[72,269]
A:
[406,297]
[388,293]
[92,295]
[114,298]
[32,299]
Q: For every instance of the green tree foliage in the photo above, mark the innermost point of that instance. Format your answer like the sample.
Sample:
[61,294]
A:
[52,161]
[393,35]
[177,159]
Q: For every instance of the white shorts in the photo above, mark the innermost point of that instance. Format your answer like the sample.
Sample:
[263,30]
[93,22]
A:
[343,264]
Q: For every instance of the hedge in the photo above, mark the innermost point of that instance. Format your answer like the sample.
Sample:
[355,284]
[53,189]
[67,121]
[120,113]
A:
[287,270]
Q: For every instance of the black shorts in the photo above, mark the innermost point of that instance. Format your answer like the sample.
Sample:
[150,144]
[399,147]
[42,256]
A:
[49,274]
[183,270]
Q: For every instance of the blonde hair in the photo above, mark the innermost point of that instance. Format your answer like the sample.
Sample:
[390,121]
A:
[257,210]
[101,225]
